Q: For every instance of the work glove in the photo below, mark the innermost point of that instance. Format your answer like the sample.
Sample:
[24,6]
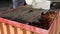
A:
[39,4]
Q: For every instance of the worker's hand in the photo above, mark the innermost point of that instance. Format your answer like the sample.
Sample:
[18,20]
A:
[38,4]
[41,4]
[30,2]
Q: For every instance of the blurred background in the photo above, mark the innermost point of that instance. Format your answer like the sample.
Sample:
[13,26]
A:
[5,4]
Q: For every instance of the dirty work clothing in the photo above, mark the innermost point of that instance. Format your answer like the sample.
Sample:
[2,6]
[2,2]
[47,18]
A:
[17,3]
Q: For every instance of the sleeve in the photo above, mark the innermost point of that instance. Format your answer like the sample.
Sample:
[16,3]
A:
[17,3]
